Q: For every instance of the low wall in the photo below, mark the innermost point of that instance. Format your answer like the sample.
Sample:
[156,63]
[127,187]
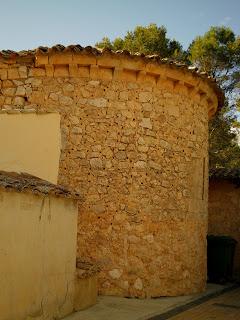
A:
[86,292]
[224,213]
[37,256]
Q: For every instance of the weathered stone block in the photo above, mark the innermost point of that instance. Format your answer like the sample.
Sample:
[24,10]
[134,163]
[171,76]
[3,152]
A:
[146,123]
[115,273]
[73,70]
[96,163]
[3,74]
[68,87]
[82,59]
[9,91]
[53,96]
[13,73]
[60,58]
[138,285]
[121,155]
[84,71]
[41,60]
[145,96]
[20,91]
[61,71]
[99,102]
[19,101]
[23,72]
[140,164]
[65,100]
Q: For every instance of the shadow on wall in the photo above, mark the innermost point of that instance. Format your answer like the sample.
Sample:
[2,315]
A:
[224,217]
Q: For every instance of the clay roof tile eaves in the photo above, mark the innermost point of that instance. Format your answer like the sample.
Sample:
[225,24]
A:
[9,54]
[24,182]
[97,51]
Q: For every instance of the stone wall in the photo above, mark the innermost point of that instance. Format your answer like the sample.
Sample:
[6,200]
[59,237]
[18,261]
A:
[134,144]
[224,217]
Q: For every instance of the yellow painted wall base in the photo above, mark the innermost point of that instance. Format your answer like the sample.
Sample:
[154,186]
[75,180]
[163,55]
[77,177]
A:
[86,293]
[37,256]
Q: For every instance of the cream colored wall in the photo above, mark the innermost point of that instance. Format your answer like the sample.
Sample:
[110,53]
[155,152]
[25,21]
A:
[30,143]
[37,256]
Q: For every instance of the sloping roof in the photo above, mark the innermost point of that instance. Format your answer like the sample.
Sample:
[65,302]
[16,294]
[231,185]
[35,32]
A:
[29,56]
[24,182]
[231,175]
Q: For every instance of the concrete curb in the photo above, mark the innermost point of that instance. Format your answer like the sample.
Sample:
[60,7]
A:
[175,311]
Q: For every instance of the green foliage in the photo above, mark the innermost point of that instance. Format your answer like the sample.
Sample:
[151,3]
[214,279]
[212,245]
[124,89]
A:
[148,40]
[224,151]
[217,52]
[105,43]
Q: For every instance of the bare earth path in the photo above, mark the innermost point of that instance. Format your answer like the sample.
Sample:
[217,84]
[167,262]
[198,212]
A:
[223,307]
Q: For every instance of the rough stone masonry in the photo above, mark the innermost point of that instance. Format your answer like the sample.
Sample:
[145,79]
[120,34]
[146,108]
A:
[135,145]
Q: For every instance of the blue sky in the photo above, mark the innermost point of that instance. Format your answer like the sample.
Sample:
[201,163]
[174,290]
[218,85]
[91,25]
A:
[27,24]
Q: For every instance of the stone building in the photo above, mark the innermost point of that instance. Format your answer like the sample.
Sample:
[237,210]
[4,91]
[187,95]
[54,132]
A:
[134,133]
[224,207]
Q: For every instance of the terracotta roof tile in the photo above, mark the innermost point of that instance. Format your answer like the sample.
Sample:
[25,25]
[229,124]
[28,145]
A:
[24,182]
[29,56]
[8,54]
